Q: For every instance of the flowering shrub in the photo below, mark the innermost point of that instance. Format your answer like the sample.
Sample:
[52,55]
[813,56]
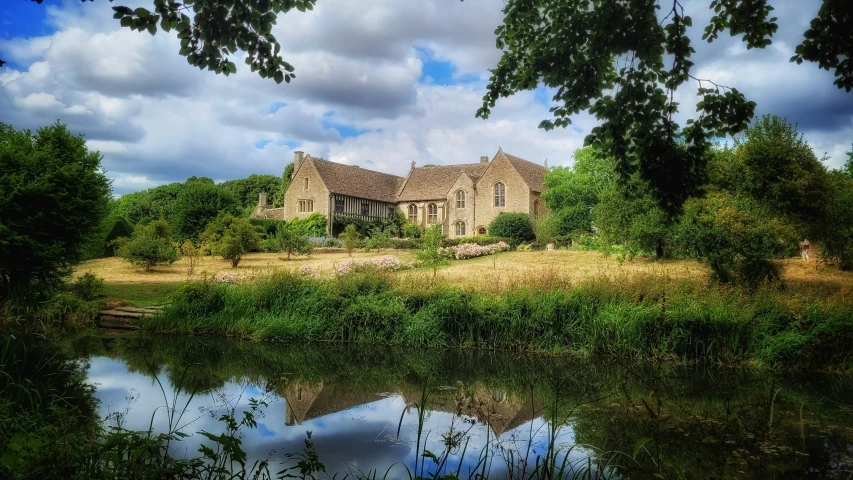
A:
[225,277]
[327,242]
[307,271]
[465,251]
[382,264]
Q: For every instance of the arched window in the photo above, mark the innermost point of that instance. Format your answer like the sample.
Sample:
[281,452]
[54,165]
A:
[432,214]
[460,199]
[413,213]
[460,228]
[498,395]
[500,195]
[536,209]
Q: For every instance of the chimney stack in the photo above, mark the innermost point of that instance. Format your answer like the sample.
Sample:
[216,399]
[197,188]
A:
[297,161]
[262,199]
[484,159]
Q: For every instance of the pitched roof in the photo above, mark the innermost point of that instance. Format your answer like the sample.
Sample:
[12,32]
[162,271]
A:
[533,174]
[431,183]
[357,182]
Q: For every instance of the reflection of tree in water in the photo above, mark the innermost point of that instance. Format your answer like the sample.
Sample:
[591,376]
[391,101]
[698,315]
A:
[728,423]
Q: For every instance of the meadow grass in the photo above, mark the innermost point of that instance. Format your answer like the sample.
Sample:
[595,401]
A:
[651,317]
[140,294]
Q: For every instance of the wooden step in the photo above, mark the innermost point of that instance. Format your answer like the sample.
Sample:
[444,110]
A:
[125,318]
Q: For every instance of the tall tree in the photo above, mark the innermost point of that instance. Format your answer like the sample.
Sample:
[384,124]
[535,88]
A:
[286,179]
[198,203]
[572,192]
[623,61]
[212,30]
[53,194]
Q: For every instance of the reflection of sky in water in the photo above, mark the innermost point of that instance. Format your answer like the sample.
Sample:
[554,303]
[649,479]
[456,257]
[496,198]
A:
[363,437]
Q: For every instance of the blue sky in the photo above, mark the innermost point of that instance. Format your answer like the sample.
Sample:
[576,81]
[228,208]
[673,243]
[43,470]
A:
[379,83]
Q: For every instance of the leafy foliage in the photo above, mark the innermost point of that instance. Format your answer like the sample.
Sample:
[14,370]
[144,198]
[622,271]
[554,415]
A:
[572,193]
[246,190]
[350,238]
[149,245]
[238,238]
[411,230]
[624,61]
[53,195]
[515,226]
[197,204]
[212,30]
[737,236]
[430,254]
[286,179]
[288,240]
[837,226]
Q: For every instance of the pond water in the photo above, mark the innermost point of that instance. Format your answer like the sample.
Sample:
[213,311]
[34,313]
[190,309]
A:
[496,411]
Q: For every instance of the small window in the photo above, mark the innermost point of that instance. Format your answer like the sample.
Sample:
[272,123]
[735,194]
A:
[390,211]
[365,208]
[305,206]
[432,214]
[413,213]
[460,229]
[339,204]
[306,183]
[536,209]
[460,199]
[481,231]
[500,195]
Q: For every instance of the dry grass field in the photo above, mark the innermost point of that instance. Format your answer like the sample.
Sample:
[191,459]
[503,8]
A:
[504,271]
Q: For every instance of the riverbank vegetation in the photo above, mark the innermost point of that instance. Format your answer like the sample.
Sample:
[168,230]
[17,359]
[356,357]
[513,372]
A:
[648,318]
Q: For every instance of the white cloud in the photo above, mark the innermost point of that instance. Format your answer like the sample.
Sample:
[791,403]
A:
[156,119]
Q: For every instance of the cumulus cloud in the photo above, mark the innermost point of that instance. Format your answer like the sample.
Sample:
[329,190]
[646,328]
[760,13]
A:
[359,96]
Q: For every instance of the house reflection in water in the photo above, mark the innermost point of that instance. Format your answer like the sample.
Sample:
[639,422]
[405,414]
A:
[501,410]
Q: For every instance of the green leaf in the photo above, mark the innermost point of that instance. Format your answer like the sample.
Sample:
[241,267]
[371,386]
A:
[639,445]
[125,21]
[231,67]
[141,12]
[278,77]
[152,28]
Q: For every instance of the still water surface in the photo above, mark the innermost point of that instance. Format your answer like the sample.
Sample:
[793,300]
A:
[635,419]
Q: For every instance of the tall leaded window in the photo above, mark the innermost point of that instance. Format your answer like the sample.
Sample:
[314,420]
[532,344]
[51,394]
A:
[365,209]
[500,195]
[339,204]
[460,229]
[390,209]
[413,213]
[432,214]
[460,199]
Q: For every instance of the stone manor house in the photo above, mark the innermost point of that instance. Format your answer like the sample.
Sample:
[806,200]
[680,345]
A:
[463,198]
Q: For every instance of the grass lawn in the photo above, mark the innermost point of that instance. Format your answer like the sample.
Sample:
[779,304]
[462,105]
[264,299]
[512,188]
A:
[140,294]
[504,271]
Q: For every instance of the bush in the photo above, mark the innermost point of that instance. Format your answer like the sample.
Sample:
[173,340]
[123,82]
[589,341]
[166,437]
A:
[484,240]
[412,230]
[289,241]
[147,247]
[380,237]
[350,238]
[313,225]
[197,204]
[736,236]
[88,287]
[515,226]
[431,255]
[238,239]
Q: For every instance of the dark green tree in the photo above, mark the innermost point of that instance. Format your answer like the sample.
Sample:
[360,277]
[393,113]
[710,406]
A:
[623,61]
[53,195]
[197,204]
[286,179]
[571,193]
[247,189]
[211,31]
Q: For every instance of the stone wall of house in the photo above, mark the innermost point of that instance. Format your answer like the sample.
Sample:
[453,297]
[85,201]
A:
[517,192]
[537,205]
[316,190]
[464,215]
[422,216]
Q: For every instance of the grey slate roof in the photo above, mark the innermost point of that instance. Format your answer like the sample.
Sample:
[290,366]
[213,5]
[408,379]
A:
[358,182]
[532,173]
[432,183]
